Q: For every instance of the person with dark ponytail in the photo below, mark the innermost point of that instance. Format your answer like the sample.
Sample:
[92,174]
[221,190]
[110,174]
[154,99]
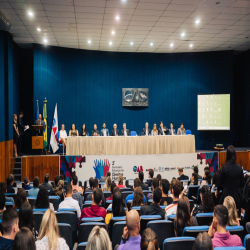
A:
[149,240]
[207,177]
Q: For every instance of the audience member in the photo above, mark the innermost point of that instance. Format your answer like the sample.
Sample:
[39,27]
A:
[183,217]
[196,171]
[74,184]
[26,183]
[98,239]
[207,177]
[149,240]
[194,179]
[203,242]
[206,168]
[120,182]
[166,199]
[69,202]
[150,177]
[42,200]
[217,231]
[2,204]
[117,207]
[116,189]
[24,240]
[94,210]
[103,179]
[107,186]
[154,208]
[176,191]
[3,189]
[182,177]
[57,179]
[90,188]
[79,198]
[154,184]
[113,185]
[131,238]
[216,180]
[21,198]
[26,219]
[207,203]
[58,190]
[137,183]
[46,183]
[9,229]
[34,191]
[138,199]
[232,211]
[49,234]
[248,227]
[159,178]
[10,183]
[141,177]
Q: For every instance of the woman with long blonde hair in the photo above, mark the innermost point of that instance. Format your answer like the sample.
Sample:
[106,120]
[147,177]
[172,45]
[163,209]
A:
[49,238]
[229,203]
[107,186]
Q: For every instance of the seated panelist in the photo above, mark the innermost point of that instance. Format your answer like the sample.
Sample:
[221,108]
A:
[181,130]
[104,130]
[84,131]
[124,131]
[154,130]
[146,130]
[162,130]
[73,131]
[95,132]
[171,130]
[115,131]
[63,137]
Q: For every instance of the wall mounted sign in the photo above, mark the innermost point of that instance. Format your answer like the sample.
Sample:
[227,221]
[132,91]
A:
[135,97]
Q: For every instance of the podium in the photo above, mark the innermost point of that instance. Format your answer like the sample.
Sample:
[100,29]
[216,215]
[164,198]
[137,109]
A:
[37,141]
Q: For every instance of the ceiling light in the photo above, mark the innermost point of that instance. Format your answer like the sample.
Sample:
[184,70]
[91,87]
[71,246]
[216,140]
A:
[110,43]
[131,43]
[45,40]
[30,13]
[151,44]
[38,29]
[112,32]
[183,34]
[197,21]
[191,45]
[89,42]
[171,45]
[117,18]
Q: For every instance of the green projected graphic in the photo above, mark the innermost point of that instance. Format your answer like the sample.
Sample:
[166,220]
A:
[214,112]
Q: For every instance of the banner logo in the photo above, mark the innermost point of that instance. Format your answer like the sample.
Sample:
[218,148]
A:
[137,169]
[101,168]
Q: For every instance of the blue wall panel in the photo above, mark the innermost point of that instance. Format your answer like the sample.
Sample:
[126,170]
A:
[87,87]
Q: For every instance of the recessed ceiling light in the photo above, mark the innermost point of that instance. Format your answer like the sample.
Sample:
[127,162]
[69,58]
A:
[151,44]
[38,29]
[112,32]
[191,45]
[124,1]
[30,13]
[183,34]
[131,43]
[197,21]
[45,40]
[117,18]
[110,43]
[171,45]
[89,41]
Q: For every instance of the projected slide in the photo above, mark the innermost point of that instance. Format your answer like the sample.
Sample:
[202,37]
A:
[214,112]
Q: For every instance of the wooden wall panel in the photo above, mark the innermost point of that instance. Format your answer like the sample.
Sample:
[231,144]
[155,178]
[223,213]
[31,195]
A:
[40,165]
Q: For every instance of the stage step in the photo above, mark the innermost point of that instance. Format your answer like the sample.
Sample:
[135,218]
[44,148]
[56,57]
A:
[17,171]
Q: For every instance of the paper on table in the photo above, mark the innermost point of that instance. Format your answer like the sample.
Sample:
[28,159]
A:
[27,127]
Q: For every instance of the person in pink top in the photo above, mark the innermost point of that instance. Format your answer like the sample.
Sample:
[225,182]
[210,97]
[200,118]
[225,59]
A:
[74,184]
[217,231]
[120,182]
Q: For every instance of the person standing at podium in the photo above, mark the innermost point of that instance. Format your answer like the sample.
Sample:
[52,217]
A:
[15,133]
[63,137]
[40,122]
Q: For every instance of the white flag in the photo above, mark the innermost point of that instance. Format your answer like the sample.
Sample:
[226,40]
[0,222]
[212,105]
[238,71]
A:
[54,130]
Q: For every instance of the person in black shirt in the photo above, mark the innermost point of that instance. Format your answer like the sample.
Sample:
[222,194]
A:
[143,185]
[10,183]
[21,127]
[150,176]
[165,200]
[182,177]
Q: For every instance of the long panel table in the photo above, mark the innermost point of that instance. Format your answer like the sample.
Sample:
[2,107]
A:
[130,145]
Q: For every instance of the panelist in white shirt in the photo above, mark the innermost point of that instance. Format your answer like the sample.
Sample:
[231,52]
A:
[146,130]
[104,130]
[63,137]
[124,131]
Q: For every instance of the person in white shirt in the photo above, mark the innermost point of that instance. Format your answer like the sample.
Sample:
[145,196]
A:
[63,137]
[69,202]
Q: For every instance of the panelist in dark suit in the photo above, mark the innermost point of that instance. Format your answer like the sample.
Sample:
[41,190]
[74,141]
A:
[146,130]
[124,131]
[181,130]
[171,131]
[162,130]
[104,130]
[115,131]
[95,132]
[182,177]
[40,122]
[21,127]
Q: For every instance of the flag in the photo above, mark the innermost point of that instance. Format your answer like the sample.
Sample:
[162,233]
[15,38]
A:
[45,140]
[54,130]
[37,110]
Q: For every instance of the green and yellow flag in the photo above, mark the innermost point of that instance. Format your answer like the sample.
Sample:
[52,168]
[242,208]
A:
[45,139]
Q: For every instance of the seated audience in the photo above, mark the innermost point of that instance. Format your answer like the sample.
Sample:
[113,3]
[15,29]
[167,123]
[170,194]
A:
[150,177]
[206,168]
[207,177]
[159,177]
[216,180]
[120,182]
[2,204]
[46,183]
[58,190]
[165,199]
[182,177]
[149,240]
[79,198]
[10,183]
[194,179]
[24,240]
[49,237]
[26,219]
[98,239]
[232,211]
[57,179]
[217,231]
[113,185]
[131,238]
[34,191]
[21,198]
[116,189]
[196,171]
[203,242]
[9,229]
[248,227]
[154,208]
[74,184]
[90,188]
[207,203]
[103,179]
[137,183]
[141,177]
[107,186]
[176,191]
[154,184]
[94,210]
[183,217]
[69,202]
[26,182]
[117,207]
[42,200]
[138,199]
[3,189]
